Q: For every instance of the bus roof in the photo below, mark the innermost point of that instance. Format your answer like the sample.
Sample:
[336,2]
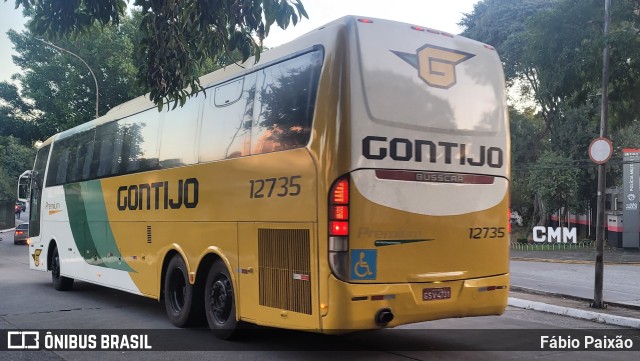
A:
[305,41]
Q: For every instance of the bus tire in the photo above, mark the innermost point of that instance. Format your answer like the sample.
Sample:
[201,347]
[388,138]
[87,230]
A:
[60,283]
[219,302]
[180,301]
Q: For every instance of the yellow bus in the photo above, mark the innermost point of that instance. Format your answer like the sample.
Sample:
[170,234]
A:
[355,178]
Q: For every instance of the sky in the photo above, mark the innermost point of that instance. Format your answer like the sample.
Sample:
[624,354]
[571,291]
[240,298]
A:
[437,14]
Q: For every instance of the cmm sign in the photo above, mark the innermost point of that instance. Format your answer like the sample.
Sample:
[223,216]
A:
[558,235]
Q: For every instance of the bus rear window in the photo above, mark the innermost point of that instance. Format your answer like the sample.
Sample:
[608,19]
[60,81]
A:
[430,83]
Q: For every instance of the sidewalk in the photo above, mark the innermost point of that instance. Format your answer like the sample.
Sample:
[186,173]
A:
[580,255]
[565,286]
[573,307]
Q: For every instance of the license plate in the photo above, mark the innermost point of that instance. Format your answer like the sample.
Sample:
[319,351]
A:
[431,294]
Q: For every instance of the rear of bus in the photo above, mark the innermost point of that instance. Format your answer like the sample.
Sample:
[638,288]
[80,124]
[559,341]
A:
[418,227]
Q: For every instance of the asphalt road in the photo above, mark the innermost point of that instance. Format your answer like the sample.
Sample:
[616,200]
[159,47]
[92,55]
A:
[28,301]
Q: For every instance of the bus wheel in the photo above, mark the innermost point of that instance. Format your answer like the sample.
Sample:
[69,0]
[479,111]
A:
[220,304]
[60,283]
[180,299]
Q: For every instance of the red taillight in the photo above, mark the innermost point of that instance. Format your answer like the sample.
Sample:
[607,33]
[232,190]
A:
[366,21]
[339,213]
[338,228]
[340,192]
[418,28]
[339,208]
[19,232]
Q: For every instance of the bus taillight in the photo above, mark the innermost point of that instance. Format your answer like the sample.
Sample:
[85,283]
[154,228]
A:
[340,192]
[339,228]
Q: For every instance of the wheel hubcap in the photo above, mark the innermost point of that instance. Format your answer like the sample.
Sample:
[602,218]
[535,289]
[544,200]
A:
[221,299]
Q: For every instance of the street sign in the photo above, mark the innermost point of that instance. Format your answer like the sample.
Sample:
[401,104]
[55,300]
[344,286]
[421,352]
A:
[600,150]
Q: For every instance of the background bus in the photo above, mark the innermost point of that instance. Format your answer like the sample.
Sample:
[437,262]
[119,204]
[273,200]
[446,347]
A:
[23,187]
[355,178]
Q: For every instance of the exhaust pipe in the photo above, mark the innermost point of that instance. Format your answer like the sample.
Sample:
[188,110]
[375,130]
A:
[383,317]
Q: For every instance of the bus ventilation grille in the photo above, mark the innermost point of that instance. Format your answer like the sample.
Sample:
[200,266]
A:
[284,269]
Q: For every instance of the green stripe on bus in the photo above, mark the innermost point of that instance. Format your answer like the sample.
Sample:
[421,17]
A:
[90,226]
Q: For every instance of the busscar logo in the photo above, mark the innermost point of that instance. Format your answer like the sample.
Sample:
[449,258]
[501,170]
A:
[436,65]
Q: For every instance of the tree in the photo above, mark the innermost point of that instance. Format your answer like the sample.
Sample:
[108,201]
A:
[552,49]
[525,150]
[61,88]
[503,25]
[555,182]
[14,159]
[178,36]
[16,116]
[567,54]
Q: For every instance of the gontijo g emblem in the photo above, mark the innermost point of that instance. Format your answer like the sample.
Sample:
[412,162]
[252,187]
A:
[436,65]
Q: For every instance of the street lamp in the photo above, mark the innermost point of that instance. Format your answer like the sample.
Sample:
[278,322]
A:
[83,62]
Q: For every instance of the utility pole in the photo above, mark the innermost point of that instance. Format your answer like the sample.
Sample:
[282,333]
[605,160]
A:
[85,64]
[598,301]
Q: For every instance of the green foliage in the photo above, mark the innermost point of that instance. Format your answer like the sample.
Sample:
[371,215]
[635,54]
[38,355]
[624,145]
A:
[567,53]
[16,116]
[61,88]
[178,37]
[525,126]
[15,158]
[554,181]
[525,149]
[502,24]
[552,49]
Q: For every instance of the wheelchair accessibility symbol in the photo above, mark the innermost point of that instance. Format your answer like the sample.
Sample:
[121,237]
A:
[363,264]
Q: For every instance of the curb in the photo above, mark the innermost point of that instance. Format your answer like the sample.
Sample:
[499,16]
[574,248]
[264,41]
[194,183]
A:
[572,312]
[571,261]
[570,297]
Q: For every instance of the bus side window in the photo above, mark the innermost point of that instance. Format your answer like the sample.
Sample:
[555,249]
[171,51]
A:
[179,129]
[75,155]
[118,161]
[285,102]
[88,158]
[227,94]
[53,164]
[226,120]
[104,137]
[141,141]
[37,183]
[78,145]
[63,160]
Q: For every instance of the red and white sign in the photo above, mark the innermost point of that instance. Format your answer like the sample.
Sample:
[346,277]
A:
[600,150]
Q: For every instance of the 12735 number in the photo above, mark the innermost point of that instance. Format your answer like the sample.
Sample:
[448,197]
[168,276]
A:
[486,232]
[280,187]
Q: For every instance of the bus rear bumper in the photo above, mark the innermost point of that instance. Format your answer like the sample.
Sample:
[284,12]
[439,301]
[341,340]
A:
[354,307]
